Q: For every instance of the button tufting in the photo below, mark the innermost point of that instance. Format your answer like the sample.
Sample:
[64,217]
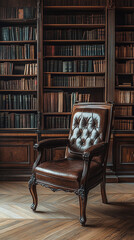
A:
[76,122]
[91,142]
[86,130]
[79,133]
[84,122]
[82,142]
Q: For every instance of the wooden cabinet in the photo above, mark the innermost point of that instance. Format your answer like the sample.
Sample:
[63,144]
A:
[16,156]
[124,156]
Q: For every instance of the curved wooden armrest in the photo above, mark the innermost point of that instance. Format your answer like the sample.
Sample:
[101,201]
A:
[51,143]
[94,151]
[87,156]
[48,143]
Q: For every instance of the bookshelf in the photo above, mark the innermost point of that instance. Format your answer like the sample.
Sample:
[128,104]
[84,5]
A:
[74,59]
[124,90]
[18,87]
[18,67]
[54,53]
[124,59]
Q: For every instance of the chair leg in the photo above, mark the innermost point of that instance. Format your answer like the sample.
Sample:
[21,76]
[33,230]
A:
[83,203]
[103,191]
[32,189]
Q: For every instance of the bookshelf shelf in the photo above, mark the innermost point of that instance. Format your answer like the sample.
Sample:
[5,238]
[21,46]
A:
[124,58]
[75,57]
[73,8]
[18,110]
[126,9]
[62,87]
[12,90]
[124,117]
[74,26]
[124,42]
[73,41]
[18,60]
[13,21]
[124,27]
[18,42]
[76,73]
[125,74]
[23,76]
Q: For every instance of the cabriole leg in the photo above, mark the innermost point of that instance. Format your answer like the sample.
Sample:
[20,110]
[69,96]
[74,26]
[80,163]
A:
[83,204]
[103,191]
[32,189]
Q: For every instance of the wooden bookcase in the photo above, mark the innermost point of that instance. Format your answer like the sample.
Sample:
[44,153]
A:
[124,90]
[74,59]
[18,87]
[79,53]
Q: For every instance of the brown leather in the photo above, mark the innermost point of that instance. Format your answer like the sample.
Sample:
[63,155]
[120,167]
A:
[84,165]
[48,143]
[88,127]
[66,171]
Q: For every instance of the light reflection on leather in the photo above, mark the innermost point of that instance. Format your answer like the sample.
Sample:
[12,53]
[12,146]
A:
[86,130]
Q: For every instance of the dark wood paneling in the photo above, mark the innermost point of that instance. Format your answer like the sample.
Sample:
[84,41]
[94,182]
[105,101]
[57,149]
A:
[16,157]
[124,153]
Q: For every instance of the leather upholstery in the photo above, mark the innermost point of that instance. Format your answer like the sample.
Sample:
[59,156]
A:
[65,171]
[89,124]
[84,165]
[88,127]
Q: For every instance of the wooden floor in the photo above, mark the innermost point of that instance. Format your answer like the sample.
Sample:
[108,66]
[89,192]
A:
[57,215]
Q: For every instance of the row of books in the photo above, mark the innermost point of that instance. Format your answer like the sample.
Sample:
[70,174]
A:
[91,18]
[74,81]
[14,68]
[127,67]
[123,111]
[125,51]
[124,96]
[75,50]
[74,2]
[125,36]
[124,3]
[57,122]
[75,66]
[75,34]
[26,51]
[20,13]
[63,101]
[125,19]
[17,120]
[123,124]
[24,33]
[19,84]
[18,101]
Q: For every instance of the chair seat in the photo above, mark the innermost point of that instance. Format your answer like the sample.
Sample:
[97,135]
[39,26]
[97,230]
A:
[64,172]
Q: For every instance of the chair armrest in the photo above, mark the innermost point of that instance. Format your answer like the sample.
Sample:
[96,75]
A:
[51,143]
[48,143]
[94,151]
[87,156]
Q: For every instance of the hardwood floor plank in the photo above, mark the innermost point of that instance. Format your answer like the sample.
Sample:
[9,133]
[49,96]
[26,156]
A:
[57,215]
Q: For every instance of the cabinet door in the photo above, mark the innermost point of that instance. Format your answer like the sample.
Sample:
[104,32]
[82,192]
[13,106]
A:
[124,154]
[16,152]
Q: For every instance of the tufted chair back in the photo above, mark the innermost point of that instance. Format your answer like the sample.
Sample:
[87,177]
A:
[90,124]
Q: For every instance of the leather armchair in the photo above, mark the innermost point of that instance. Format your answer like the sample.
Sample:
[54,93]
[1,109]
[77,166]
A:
[84,165]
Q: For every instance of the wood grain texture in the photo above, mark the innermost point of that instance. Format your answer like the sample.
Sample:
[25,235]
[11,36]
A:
[54,221]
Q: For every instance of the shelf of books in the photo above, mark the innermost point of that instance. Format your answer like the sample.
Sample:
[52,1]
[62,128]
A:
[124,52]
[18,68]
[74,58]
